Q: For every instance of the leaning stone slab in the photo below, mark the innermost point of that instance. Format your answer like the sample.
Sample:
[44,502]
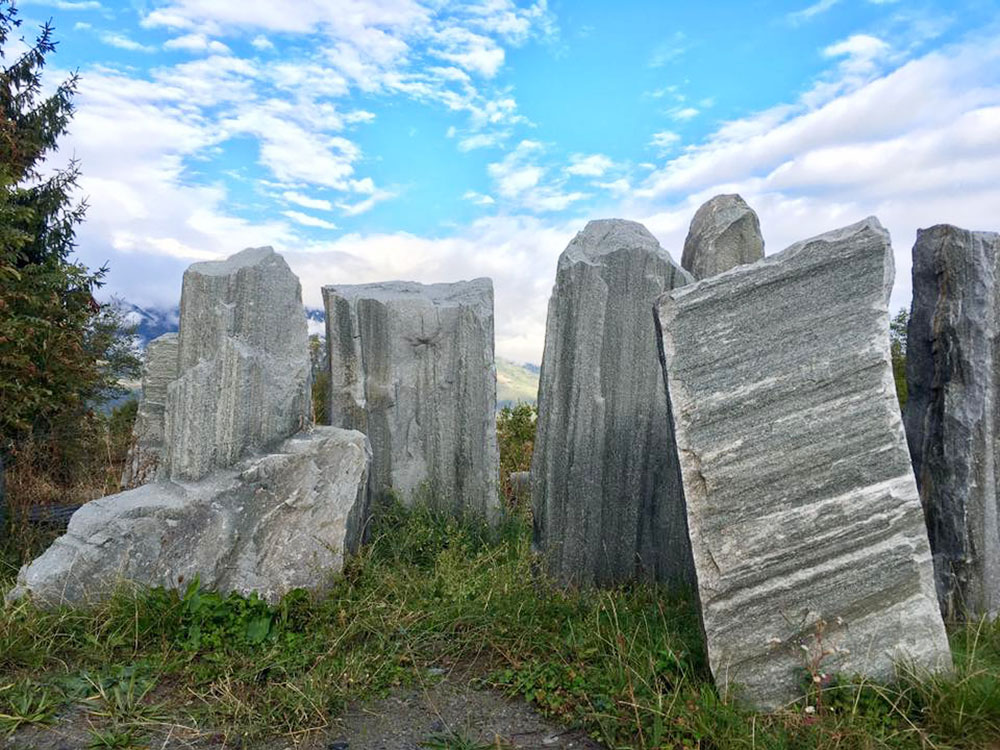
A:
[805,524]
[271,524]
[243,363]
[148,433]
[724,233]
[605,482]
[951,415]
[412,367]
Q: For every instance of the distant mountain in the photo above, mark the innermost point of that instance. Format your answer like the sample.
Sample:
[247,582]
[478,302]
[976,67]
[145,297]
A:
[516,383]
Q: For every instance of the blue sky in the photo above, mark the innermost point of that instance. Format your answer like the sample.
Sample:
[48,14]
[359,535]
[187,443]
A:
[435,141]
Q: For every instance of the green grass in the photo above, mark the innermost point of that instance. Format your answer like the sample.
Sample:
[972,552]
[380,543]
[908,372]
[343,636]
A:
[627,665]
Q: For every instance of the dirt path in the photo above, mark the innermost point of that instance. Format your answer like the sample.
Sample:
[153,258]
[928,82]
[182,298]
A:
[446,713]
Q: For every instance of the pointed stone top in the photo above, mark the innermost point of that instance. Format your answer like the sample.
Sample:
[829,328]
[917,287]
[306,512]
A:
[603,237]
[724,233]
[252,256]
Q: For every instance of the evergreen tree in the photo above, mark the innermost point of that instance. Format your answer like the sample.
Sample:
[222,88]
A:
[60,352]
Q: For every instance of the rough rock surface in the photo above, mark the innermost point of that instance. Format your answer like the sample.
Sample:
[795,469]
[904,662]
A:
[271,524]
[148,445]
[724,233]
[606,487]
[951,416]
[243,363]
[801,503]
[520,485]
[412,367]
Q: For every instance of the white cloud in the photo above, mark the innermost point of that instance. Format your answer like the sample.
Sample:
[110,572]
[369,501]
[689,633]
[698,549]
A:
[262,43]
[309,221]
[523,182]
[681,114]
[197,43]
[116,39]
[478,198]
[317,204]
[811,11]
[593,165]
[669,50]
[65,4]
[665,141]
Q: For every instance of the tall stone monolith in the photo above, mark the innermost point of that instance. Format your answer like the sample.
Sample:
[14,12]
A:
[807,533]
[242,362]
[724,233]
[605,483]
[412,367]
[951,415]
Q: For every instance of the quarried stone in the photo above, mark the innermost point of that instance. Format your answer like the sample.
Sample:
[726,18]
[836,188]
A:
[605,483]
[243,363]
[724,233]
[808,537]
[951,415]
[271,524]
[412,367]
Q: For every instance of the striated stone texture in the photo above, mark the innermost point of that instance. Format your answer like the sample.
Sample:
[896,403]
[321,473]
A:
[605,483]
[724,233]
[801,503]
[148,444]
[951,415]
[271,524]
[243,363]
[412,367]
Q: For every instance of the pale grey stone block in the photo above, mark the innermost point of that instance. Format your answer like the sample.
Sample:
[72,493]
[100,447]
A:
[412,367]
[271,524]
[951,415]
[606,487]
[801,502]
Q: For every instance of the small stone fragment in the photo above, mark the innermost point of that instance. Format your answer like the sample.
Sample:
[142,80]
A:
[606,487]
[412,367]
[271,524]
[951,414]
[808,537]
[147,449]
[724,233]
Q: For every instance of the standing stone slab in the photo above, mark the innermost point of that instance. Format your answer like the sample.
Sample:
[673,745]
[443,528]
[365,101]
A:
[271,524]
[724,233]
[951,415]
[243,363]
[412,367]
[148,433]
[801,502]
[605,481]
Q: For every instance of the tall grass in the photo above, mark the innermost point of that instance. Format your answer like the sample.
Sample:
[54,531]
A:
[627,664]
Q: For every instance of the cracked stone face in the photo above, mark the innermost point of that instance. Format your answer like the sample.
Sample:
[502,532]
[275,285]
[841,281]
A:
[412,367]
[806,529]
[952,361]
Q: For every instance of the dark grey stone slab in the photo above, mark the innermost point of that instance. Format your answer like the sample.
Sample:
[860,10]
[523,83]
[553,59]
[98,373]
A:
[951,416]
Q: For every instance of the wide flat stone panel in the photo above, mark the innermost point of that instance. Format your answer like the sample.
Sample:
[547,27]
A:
[951,415]
[412,366]
[605,482]
[801,503]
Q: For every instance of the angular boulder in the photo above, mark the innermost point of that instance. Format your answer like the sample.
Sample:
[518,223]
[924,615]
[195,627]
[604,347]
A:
[951,415]
[243,363]
[271,524]
[604,477]
[807,533]
[412,367]
[724,233]
[159,372]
